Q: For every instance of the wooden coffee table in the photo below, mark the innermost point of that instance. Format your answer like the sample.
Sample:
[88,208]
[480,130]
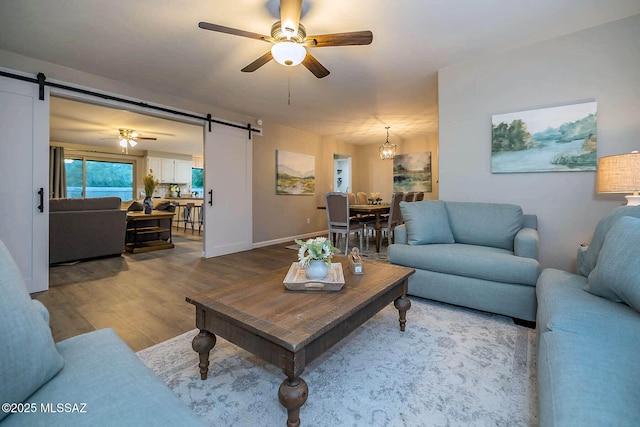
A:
[290,329]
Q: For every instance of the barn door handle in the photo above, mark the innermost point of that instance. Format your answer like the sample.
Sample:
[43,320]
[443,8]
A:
[210,197]
[41,198]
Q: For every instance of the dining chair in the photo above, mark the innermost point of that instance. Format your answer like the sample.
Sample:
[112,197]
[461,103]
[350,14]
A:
[394,219]
[366,220]
[361,198]
[352,198]
[408,197]
[419,196]
[339,220]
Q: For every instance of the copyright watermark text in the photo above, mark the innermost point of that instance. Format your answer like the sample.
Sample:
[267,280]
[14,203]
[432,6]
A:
[59,407]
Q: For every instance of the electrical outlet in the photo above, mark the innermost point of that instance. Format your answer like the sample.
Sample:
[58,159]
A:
[308,220]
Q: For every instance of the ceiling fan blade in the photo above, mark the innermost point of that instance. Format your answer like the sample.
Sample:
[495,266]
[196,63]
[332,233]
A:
[290,11]
[314,66]
[258,63]
[354,38]
[234,31]
[146,138]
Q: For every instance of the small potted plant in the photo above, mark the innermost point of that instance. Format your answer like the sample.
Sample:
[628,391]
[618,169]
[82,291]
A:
[150,184]
[315,256]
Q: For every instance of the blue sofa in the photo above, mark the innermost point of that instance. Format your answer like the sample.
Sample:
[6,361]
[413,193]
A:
[477,255]
[589,331]
[92,379]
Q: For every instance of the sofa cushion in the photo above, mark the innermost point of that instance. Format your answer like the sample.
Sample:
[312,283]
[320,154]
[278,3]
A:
[617,272]
[427,222]
[563,305]
[480,262]
[588,256]
[485,224]
[28,357]
[117,388]
[98,203]
[586,380]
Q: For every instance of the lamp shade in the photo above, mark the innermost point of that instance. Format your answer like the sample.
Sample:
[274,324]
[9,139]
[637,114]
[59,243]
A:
[619,174]
[288,53]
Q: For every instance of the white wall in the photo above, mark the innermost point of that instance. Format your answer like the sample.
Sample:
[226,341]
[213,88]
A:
[601,64]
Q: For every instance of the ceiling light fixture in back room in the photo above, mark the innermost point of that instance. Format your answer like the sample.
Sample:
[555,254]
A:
[129,138]
[387,150]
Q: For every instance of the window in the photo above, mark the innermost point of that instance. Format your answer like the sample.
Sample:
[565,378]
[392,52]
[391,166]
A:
[197,182]
[91,178]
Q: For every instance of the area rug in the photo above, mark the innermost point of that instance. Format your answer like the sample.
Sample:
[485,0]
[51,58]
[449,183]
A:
[452,367]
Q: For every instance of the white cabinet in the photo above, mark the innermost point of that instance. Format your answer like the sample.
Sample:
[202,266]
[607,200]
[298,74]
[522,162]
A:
[167,175]
[154,164]
[182,171]
[170,171]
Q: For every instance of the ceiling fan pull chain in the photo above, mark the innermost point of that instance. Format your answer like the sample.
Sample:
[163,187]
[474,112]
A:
[289,86]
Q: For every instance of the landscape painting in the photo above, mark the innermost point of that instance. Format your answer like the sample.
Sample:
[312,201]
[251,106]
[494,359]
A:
[412,172]
[295,173]
[545,140]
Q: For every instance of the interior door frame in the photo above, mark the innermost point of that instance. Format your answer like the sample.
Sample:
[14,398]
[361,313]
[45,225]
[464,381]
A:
[92,99]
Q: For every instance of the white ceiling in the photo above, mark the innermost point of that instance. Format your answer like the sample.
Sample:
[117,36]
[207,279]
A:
[157,45]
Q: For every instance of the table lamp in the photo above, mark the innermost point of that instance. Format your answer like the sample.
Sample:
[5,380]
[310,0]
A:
[620,174]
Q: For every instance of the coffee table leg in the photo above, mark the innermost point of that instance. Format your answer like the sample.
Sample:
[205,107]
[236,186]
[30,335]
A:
[293,393]
[403,304]
[202,344]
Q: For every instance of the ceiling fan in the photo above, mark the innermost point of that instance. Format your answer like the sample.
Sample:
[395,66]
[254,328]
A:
[129,137]
[290,40]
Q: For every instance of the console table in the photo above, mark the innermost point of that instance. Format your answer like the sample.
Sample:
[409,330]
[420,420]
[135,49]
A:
[140,224]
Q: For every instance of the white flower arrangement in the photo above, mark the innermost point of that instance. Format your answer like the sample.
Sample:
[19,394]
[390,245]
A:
[315,249]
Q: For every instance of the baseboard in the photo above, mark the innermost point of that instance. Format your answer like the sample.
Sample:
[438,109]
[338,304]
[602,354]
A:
[289,239]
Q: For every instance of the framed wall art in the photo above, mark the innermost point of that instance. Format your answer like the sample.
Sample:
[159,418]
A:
[545,140]
[412,172]
[295,173]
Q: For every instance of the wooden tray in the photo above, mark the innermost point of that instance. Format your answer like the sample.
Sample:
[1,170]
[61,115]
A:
[297,280]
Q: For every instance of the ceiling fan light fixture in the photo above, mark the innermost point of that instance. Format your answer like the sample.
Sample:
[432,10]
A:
[288,53]
[123,142]
[132,142]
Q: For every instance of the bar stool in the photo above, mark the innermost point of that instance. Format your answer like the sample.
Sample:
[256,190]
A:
[198,216]
[188,215]
[179,210]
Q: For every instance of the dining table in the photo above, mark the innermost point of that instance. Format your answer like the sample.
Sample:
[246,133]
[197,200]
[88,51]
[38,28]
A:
[377,211]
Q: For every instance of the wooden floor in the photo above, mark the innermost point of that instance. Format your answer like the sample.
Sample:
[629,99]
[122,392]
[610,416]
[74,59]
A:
[142,296]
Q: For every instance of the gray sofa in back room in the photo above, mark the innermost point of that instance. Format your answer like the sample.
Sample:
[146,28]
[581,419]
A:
[85,228]
[478,255]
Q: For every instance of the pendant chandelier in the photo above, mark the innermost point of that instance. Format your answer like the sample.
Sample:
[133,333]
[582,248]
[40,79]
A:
[387,150]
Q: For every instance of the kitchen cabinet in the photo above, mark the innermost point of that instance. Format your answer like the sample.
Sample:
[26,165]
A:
[182,172]
[170,171]
[154,164]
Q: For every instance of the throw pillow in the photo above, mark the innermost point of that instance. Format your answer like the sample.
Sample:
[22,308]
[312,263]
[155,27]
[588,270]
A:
[427,222]
[29,357]
[162,206]
[135,207]
[616,275]
[587,258]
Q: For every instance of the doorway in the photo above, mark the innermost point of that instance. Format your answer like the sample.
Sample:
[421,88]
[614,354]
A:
[342,173]
[97,165]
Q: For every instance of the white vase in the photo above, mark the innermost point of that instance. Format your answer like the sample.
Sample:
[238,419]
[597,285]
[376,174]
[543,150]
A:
[317,269]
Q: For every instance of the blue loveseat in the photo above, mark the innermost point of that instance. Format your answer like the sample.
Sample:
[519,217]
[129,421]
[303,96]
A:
[589,331]
[477,255]
[92,379]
